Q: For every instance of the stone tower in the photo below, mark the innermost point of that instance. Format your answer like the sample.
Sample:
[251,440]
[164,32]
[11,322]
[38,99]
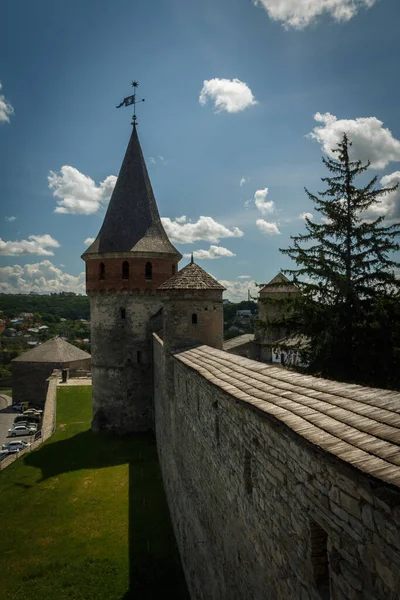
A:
[193,310]
[278,288]
[129,259]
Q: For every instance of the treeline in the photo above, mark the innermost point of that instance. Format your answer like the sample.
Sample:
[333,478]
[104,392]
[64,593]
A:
[61,305]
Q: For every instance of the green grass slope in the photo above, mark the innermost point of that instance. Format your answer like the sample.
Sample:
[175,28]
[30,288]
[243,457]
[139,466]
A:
[84,516]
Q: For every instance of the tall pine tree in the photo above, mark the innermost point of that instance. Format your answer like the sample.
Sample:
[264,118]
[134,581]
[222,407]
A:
[345,270]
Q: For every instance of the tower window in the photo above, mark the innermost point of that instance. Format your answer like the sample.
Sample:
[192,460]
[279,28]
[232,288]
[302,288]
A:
[123,313]
[194,319]
[148,271]
[102,271]
[319,560]
[125,270]
[173,269]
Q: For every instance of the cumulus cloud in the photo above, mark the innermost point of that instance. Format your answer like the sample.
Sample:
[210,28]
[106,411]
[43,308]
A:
[35,244]
[370,141]
[181,232]
[230,95]
[89,241]
[77,193]
[262,205]
[6,110]
[181,219]
[306,215]
[267,228]
[10,219]
[389,205]
[43,277]
[243,277]
[300,13]
[212,252]
[243,181]
[238,290]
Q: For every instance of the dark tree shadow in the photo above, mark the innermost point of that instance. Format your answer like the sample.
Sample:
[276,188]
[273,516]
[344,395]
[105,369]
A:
[154,563]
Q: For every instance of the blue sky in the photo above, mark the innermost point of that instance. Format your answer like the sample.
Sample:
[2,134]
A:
[277,71]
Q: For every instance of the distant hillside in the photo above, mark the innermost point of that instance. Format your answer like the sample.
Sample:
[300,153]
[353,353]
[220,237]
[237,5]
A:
[62,305]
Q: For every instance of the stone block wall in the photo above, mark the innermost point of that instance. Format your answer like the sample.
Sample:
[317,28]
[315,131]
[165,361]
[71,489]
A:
[259,513]
[122,362]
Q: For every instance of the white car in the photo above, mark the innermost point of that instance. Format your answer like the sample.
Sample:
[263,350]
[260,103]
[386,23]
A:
[21,430]
[15,446]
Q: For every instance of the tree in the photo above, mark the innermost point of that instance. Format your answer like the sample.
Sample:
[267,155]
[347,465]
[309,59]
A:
[346,276]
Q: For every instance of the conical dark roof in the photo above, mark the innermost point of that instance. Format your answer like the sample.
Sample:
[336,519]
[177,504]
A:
[191,277]
[132,222]
[55,350]
[278,284]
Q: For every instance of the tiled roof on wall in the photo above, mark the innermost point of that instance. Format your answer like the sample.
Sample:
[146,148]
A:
[191,277]
[359,425]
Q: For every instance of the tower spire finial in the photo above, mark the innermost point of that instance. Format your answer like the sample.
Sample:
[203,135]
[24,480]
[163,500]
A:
[191,260]
[132,100]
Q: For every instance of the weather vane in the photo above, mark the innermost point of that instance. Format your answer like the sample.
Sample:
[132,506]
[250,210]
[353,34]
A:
[132,100]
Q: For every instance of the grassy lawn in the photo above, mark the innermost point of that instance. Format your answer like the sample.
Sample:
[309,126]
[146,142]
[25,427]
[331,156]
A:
[84,516]
[5,390]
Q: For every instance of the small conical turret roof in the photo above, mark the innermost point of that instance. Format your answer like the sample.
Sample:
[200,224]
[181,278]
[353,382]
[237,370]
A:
[279,283]
[191,277]
[132,222]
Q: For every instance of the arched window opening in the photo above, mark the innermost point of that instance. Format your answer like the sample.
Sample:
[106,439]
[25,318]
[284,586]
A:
[319,560]
[125,270]
[194,319]
[148,272]
[123,313]
[173,269]
[102,271]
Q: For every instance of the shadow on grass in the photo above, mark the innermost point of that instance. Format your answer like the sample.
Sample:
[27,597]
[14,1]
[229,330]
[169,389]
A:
[154,564]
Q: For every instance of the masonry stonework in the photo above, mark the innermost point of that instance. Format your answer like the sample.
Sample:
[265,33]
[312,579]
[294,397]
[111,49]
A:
[122,360]
[258,511]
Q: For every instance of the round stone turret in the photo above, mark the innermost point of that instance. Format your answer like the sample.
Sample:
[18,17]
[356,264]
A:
[193,310]
[129,259]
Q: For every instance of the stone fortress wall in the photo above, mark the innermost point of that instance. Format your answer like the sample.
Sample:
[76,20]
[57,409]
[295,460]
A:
[260,513]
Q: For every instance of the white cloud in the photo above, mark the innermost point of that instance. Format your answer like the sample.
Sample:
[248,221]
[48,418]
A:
[41,278]
[243,277]
[212,252]
[231,95]
[243,181]
[306,215]
[326,220]
[89,241]
[78,193]
[35,244]
[389,205]
[6,110]
[205,229]
[181,219]
[300,13]
[267,228]
[262,206]
[370,141]
[154,161]
[10,219]
[238,290]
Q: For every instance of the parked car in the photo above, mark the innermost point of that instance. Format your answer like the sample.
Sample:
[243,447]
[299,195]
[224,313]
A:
[18,407]
[33,412]
[29,416]
[26,423]
[21,430]
[15,445]
[3,454]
